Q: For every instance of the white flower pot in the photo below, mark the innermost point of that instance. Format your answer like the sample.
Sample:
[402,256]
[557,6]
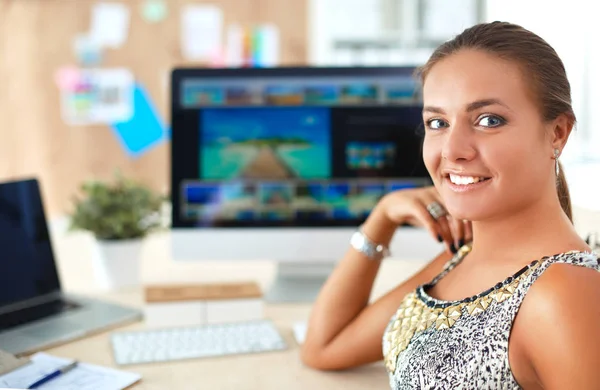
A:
[117,263]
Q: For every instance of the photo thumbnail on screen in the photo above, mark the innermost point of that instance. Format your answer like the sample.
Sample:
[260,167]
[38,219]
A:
[322,94]
[265,143]
[223,201]
[370,155]
[359,94]
[275,200]
[284,95]
[309,201]
[337,199]
[203,95]
[365,197]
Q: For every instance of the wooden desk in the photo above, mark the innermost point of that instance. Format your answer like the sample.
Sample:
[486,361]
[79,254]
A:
[275,370]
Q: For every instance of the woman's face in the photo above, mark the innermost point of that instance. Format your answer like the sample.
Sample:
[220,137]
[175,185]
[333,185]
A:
[486,145]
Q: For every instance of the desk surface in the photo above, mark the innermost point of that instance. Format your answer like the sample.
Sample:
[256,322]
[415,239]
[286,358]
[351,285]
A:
[275,370]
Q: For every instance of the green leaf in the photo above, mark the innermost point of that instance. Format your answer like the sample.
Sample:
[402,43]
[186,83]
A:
[117,210]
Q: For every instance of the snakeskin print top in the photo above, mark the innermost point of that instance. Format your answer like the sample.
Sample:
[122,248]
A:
[463,344]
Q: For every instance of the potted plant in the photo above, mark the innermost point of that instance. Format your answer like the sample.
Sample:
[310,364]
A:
[119,214]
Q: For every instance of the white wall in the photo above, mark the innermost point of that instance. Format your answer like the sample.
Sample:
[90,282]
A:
[332,19]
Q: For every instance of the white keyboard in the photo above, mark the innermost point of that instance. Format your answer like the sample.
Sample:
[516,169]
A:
[160,345]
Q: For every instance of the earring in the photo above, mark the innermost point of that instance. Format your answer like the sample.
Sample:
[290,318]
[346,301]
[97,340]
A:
[556,168]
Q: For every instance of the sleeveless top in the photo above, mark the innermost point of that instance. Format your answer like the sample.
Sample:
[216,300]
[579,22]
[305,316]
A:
[463,344]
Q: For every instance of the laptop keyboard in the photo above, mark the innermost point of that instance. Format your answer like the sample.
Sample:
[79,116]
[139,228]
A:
[23,316]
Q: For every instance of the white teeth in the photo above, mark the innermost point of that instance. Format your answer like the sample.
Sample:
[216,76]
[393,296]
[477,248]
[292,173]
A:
[463,180]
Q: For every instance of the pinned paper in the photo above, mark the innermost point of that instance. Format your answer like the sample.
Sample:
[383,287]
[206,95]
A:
[144,129]
[66,78]
[95,96]
[266,46]
[87,50]
[110,24]
[234,48]
[154,10]
[201,27]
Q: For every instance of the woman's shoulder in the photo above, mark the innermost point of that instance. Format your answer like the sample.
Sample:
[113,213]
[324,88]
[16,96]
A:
[560,314]
[566,278]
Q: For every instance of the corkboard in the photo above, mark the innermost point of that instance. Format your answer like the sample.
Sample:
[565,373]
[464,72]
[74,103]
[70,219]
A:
[36,39]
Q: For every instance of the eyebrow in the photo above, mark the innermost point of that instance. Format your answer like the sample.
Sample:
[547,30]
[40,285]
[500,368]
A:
[470,107]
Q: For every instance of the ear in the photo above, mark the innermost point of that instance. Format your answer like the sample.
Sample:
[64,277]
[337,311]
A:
[560,131]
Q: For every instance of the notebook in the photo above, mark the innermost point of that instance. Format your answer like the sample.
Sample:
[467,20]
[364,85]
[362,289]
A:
[83,377]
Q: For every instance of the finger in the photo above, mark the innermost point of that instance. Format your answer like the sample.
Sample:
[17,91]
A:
[468,230]
[426,220]
[446,233]
[443,224]
[458,232]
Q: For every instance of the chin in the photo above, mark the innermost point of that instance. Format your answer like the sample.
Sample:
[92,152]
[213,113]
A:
[467,211]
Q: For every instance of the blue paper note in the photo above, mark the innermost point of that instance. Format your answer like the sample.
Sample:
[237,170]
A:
[144,130]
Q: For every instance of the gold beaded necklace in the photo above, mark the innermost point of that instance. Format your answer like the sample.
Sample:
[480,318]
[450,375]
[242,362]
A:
[419,312]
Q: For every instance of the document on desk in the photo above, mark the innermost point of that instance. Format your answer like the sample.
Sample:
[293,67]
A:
[83,377]
[9,363]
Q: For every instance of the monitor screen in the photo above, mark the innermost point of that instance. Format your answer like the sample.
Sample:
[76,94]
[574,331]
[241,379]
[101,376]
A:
[27,261]
[292,146]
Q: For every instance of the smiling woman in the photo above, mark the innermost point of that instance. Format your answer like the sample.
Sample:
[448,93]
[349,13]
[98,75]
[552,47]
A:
[524,302]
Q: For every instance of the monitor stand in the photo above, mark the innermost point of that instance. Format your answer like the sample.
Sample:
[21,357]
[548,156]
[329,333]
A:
[298,282]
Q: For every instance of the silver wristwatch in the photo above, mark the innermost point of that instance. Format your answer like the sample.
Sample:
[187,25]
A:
[363,244]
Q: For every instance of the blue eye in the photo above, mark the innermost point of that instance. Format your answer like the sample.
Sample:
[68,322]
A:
[435,124]
[491,121]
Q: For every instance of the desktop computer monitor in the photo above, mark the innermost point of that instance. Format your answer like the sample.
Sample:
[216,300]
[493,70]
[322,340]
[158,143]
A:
[285,164]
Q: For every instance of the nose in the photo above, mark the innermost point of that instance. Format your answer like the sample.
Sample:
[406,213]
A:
[459,144]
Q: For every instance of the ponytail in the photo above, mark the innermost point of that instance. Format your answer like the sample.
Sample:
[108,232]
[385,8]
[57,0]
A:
[563,193]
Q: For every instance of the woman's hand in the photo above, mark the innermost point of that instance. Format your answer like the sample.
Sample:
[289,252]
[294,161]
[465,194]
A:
[410,207]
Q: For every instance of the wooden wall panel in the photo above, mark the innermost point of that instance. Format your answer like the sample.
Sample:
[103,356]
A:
[36,39]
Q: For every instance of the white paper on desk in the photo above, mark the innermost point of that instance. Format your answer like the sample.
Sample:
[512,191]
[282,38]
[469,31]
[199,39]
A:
[201,30]
[110,24]
[444,19]
[83,377]
[8,362]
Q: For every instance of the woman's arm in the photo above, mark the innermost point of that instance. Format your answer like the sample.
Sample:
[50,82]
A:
[344,330]
[560,317]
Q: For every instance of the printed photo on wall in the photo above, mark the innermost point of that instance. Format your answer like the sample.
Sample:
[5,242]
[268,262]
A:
[95,96]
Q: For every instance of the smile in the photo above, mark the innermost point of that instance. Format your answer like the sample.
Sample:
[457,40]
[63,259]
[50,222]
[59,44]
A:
[459,183]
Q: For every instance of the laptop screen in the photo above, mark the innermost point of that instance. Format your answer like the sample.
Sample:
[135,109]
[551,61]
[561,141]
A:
[27,268]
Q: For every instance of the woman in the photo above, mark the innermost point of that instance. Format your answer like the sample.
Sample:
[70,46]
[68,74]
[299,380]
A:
[497,114]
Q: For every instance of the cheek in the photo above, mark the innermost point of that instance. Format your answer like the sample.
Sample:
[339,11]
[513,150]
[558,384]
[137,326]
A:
[517,162]
[431,155]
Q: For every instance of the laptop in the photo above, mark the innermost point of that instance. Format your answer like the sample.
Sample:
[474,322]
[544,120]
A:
[34,312]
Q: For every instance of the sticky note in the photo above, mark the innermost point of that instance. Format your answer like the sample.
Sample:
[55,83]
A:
[144,130]
[154,10]
[67,78]
[109,24]
[201,27]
